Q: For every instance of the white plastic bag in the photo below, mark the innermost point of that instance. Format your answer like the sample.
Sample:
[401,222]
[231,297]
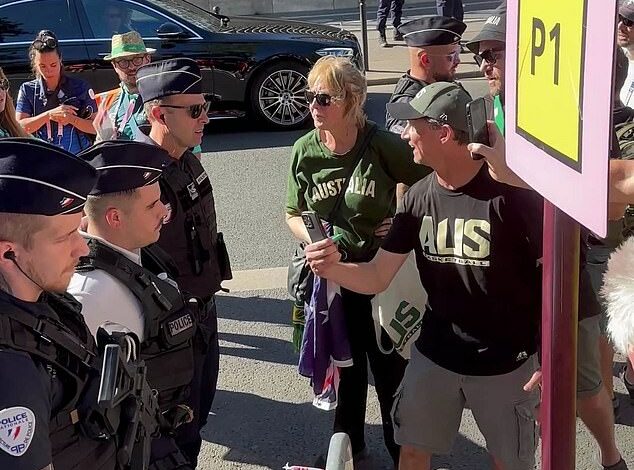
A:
[399,309]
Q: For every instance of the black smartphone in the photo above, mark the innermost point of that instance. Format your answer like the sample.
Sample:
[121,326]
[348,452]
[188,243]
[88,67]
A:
[477,122]
[314,226]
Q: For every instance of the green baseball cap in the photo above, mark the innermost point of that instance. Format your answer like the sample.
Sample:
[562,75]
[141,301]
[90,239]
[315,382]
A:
[443,101]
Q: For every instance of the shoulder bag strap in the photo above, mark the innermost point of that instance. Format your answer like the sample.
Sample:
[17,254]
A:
[362,149]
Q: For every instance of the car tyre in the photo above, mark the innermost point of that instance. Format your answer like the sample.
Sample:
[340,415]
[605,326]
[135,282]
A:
[277,96]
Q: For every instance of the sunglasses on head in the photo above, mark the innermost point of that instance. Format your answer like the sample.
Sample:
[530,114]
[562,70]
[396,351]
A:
[322,99]
[626,21]
[137,61]
[47,42]
[195,110]
[490,56]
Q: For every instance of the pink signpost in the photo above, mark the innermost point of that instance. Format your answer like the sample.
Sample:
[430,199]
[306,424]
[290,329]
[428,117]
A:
[558,128]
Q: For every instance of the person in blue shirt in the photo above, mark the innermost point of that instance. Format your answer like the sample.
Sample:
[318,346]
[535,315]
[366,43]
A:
[55,107]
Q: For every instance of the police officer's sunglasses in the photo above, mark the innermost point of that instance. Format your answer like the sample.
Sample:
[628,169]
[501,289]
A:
[626,21]
[47,42]
[195,110]
[322,99]
[137,61]
[490,56]
[451,57]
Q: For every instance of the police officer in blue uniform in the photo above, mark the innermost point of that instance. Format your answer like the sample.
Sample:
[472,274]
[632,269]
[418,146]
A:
[49,364]
[177,111]
[434,51]
[124,217]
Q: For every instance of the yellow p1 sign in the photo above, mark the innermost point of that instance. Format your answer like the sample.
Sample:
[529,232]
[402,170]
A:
[550,85]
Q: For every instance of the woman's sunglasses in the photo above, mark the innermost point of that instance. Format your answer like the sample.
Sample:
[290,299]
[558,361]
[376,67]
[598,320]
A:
[137,61]
[322,99]
[47,42]
[490,56]
[4,84]
[195,110]
[626,21]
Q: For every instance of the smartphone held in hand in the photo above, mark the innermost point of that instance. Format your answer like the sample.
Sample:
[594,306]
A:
[477,122]
[313,225]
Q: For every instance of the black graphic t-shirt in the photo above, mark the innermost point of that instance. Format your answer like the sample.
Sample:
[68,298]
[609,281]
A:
[477,252]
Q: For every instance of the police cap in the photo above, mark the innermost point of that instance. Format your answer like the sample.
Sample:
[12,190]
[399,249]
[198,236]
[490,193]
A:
[432,31]
[494,29]
[124,165]
[443,101]
[39,178]
[169,77]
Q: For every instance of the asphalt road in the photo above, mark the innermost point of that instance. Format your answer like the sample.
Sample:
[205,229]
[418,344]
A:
[262,415]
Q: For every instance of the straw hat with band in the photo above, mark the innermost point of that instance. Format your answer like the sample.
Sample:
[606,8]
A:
[127,45]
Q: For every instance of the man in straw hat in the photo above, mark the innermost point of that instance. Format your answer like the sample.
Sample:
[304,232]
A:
[123,106]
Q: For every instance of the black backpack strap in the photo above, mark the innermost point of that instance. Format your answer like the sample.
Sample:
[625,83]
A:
[49,340]
[156,260]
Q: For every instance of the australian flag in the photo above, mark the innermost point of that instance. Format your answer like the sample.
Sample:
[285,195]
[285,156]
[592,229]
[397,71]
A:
[325,343]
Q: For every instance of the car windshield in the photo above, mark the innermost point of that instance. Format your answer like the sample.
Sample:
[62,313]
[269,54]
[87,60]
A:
[190,13]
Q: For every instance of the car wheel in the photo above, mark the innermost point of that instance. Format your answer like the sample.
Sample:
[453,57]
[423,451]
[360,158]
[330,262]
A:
[277,96]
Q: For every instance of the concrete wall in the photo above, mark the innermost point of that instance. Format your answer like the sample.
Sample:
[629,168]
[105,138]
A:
[272,7]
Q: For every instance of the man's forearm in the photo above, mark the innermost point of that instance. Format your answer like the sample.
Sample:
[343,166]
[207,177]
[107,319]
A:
[621,181]
[364,278]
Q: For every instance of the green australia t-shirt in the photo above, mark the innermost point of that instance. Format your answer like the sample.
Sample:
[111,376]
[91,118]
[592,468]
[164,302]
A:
[317,175]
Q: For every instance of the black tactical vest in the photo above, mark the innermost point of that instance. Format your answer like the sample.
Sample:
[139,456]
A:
[169,323]
[190,234]
[62,339]
[406,89]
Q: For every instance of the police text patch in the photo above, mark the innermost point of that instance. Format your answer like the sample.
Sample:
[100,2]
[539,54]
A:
[180,324]
[17,428]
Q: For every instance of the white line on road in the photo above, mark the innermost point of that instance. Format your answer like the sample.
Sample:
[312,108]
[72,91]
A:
[257,279]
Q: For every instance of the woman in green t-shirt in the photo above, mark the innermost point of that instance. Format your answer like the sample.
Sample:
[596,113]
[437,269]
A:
[321,161]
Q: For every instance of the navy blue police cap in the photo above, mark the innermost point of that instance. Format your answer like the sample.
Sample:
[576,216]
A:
[124,165]
[432,31]
[39,178]
[169,77]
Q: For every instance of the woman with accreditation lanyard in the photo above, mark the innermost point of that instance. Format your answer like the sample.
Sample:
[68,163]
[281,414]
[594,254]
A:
[55,107]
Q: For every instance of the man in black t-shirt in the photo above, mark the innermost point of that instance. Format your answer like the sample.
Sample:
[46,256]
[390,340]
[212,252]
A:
[477,244]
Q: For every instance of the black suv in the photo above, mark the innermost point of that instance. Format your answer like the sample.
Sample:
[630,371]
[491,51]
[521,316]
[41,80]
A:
[256,65]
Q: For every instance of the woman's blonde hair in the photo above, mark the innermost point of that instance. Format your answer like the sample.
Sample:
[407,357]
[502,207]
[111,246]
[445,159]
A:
[7,117]
[344,81]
